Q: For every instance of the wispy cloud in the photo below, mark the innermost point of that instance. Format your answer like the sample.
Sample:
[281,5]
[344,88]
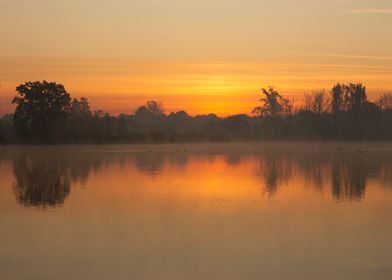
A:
[372,57]
[371,11]
[347,55]
[207,3]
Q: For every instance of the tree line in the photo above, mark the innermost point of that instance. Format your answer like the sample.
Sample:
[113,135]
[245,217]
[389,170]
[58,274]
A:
[46,113]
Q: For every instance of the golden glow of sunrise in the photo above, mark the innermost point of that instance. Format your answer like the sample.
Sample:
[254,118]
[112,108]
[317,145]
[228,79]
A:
[200,56]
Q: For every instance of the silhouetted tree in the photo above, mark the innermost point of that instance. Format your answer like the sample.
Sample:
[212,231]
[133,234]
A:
[45,113]
[273,103]
[155,108]
[337,93]
[41,109]
[316,102]
[80,122]
[351,97]
[355,97]
[307,102]
[143,113]
[385,102]
[80,108]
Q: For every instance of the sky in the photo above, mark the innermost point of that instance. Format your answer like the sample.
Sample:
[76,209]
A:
[200,56]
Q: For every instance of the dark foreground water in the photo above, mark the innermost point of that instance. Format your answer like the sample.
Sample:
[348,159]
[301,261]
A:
[234,211]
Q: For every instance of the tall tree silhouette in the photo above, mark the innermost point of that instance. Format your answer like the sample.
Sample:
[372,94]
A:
[337,93]
[80,122]
[151,110]
[355,97]
[351,97]
[316,102]
[41,108]
[156,108]
[273,103]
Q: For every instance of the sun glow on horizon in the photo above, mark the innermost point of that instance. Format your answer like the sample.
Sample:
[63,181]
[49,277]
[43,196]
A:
[199,56]
[223,88]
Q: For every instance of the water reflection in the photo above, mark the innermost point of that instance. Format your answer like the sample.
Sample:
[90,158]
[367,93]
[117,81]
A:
[44,176]
[40,183]
[153,162]
[349,178]
[349,172]
[274,170]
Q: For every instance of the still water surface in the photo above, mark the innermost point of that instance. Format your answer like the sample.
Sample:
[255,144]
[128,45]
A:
[232,211]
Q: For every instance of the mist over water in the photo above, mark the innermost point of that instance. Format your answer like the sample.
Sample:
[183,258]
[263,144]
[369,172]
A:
[197,211]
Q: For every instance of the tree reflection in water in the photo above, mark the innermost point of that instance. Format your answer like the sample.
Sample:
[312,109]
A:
[345,173]
[44,176]
[40,183]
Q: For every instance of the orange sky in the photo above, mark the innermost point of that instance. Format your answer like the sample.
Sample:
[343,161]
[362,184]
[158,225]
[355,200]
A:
[201,56]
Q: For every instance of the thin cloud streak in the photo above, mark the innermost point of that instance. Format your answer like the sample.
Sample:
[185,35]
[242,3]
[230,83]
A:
[219,3]
[371,11]
[359,56]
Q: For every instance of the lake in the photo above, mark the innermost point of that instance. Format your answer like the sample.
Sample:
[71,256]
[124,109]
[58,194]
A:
[197,211]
